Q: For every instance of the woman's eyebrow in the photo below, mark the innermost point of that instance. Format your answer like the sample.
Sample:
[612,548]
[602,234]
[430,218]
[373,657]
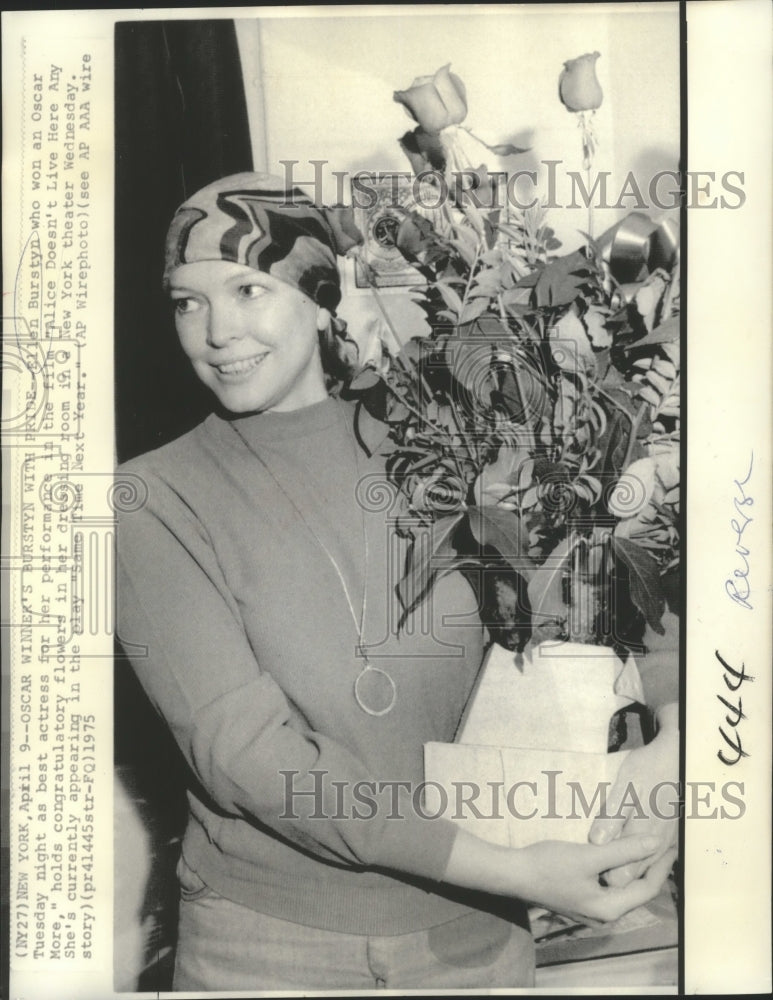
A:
[248,276]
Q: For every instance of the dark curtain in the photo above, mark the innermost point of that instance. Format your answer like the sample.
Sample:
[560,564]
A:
[181,122]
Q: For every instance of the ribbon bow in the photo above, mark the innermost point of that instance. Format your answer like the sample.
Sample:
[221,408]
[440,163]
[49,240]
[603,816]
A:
[637,246]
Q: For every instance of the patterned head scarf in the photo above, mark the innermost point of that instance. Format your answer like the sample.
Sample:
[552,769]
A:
[256,220]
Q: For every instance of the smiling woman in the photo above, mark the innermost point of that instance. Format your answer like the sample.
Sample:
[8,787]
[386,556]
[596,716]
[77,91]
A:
[251,269]
[251,338]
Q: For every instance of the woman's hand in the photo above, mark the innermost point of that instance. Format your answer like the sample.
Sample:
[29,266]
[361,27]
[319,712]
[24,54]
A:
[564,877]
[561,876]
[644,800]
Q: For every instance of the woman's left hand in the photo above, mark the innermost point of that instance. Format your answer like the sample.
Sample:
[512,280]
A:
[644,798]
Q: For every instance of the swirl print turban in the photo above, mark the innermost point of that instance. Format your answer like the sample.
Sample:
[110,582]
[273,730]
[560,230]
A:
[256,220]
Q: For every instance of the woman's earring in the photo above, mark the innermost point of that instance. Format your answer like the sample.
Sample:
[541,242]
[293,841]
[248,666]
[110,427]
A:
[324,319]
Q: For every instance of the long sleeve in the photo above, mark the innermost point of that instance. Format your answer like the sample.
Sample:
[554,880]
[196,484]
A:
[245,742]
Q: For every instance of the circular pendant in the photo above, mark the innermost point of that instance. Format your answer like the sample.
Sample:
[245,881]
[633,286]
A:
[375,691]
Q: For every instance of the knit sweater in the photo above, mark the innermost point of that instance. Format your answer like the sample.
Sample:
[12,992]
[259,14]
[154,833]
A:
[240,594]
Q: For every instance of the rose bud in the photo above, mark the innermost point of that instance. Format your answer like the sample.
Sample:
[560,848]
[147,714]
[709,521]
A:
[578,87]
[435,102]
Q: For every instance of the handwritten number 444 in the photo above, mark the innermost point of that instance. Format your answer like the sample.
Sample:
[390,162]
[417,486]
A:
[733,718]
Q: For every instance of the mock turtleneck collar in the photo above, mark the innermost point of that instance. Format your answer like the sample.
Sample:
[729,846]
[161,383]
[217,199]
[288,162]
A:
[275,425]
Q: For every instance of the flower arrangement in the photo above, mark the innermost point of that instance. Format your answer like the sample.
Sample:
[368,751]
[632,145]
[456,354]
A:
[533,433]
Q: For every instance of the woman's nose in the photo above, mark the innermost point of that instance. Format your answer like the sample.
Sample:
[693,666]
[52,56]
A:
[223,325]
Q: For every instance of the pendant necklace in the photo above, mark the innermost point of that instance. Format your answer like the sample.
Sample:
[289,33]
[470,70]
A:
[374,689]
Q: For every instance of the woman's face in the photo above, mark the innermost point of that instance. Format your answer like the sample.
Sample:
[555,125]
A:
[252,339]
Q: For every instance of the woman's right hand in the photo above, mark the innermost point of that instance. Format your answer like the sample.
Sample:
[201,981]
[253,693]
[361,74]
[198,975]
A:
[561,876]
[564,877]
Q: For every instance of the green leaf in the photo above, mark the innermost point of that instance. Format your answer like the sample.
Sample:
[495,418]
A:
[503,531]
[450,297]
[416,467]
[649,299]
[530,280]
[560,281]
[473,309]
[584,492]
[646,588]
[471,365]
[570,347]
[366,378]
[492,259]
[523,392]
[398,412]
[467,255]
[371,430]
[485,328]
[648,394]
[665,334]
[545,589]
[468,236]
[496,476]
[513,232]
[487,282]
[516,296]
[420,571]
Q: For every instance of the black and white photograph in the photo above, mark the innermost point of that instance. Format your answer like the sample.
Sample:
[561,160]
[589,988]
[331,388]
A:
[360,652]
[408,550]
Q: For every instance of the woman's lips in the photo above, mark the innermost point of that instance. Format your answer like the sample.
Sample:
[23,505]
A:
[243,366]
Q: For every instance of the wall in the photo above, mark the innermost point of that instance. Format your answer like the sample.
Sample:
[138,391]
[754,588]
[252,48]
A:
[321,88]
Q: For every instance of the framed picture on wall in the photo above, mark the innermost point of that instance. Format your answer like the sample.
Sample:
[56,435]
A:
[382,203]
[385,202]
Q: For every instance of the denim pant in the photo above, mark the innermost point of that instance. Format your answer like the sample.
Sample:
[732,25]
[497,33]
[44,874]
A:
[226,946]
